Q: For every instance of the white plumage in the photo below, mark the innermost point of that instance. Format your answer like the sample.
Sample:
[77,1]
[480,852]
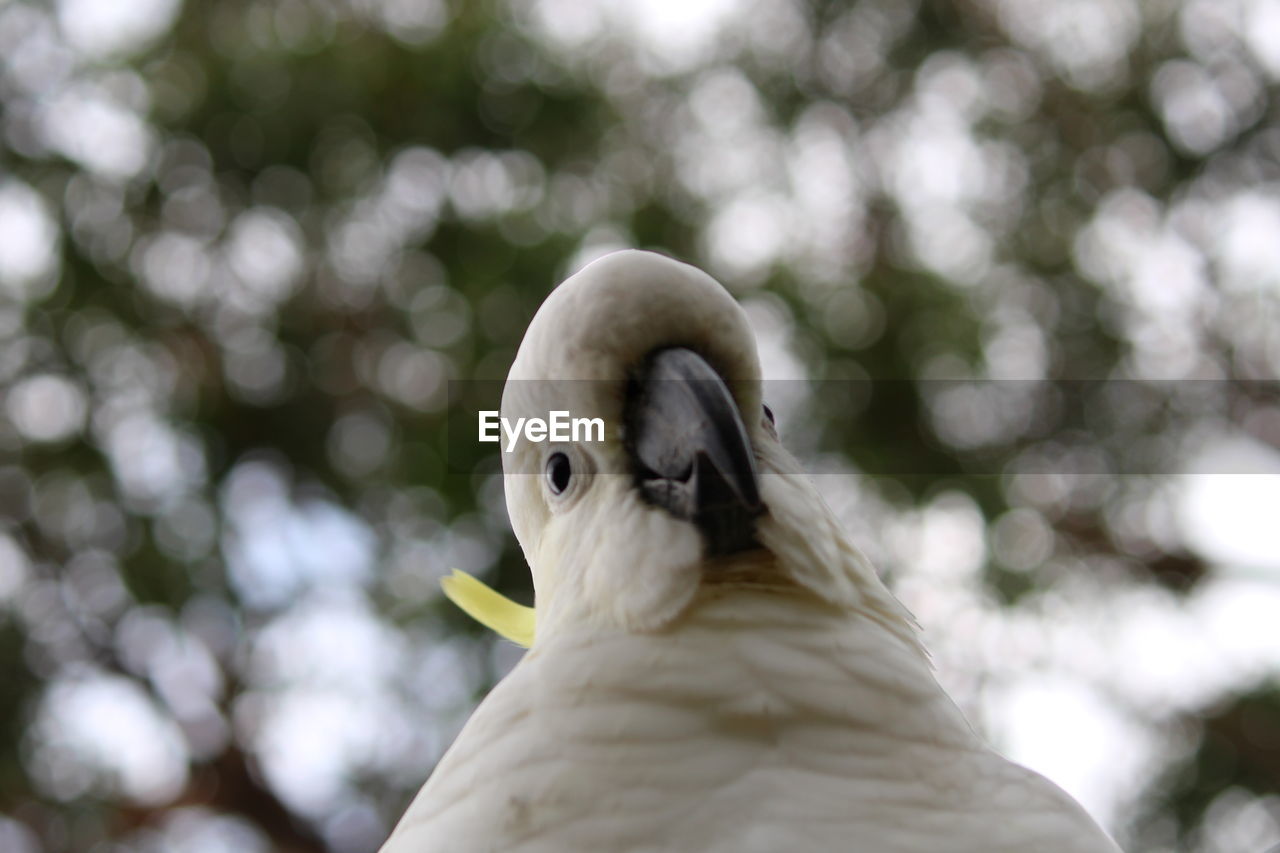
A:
[769,699]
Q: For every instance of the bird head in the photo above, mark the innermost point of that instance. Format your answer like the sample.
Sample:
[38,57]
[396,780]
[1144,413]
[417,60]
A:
[688,486]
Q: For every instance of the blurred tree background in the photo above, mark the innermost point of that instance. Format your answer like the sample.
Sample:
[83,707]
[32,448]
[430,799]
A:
[245,246]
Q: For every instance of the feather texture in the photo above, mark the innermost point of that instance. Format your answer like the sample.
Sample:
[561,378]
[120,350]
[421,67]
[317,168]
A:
[774,699]
[492,609]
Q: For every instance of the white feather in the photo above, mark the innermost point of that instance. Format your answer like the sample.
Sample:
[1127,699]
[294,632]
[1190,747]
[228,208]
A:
[780,700]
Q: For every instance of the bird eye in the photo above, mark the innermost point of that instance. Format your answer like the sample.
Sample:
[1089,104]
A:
[559,472]
[768,413]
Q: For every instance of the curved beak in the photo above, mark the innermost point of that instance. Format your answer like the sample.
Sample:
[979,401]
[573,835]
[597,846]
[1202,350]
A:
[690,451]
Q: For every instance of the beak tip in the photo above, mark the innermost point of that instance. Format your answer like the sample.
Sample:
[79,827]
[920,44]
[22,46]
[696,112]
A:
[726,507]
[692,452]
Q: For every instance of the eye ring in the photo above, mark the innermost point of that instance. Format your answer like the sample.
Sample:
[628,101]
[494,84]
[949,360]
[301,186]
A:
[559,473]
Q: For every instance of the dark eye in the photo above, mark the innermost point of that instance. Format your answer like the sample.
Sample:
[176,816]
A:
[559,472]
[768,413]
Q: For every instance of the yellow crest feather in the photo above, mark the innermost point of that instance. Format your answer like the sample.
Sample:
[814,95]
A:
[491,608]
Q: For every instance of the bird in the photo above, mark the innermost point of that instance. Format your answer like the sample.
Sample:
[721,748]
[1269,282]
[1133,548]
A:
[712,664]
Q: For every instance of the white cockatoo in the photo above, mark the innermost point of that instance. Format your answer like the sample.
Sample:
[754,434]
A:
[713,664]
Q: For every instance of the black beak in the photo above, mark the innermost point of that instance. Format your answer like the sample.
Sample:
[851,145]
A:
[690,451]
